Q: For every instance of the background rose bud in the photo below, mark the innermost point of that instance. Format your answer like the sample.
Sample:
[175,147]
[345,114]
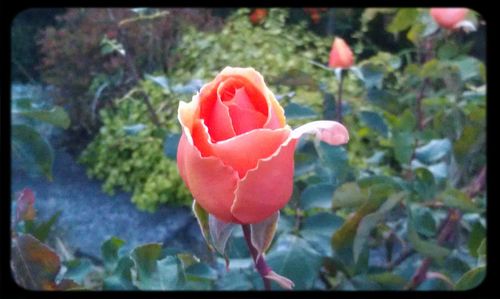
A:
[341,55]
[258,15]
[448,17]
[236,151]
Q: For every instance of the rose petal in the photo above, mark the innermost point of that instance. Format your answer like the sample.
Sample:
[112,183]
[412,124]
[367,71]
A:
[276,118]
[245,120]
[219,122]
[266,188]
[212,183]
[331,132]
[243,152]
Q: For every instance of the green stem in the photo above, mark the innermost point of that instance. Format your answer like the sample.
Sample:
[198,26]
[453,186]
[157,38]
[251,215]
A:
[339,97]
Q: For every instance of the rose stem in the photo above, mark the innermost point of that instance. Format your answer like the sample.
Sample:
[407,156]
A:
[339,97]
[260,264]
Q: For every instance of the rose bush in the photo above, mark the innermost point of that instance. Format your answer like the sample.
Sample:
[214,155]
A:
[236,151]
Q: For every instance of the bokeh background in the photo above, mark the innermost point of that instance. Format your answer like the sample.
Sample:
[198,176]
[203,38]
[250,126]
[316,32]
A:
[95,185]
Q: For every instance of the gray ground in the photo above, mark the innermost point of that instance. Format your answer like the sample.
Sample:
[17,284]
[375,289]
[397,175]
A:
[90,216]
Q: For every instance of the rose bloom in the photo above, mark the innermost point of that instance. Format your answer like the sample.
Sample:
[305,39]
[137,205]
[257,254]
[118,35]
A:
[236,150]
[448,17]
[341,55]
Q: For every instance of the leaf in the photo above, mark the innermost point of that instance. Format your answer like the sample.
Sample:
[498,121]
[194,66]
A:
[476,237]
[220,232]
[295,259]
[121,279]
[375,122]
[77,270]
[373,76]
[42,230]
[404,18]
[32,149]
[56,116]
[262,233]
[369,222]
[201,271]
[348,195]
[317,196]
[424,183]
[171,276]
[318,228]
[109,251]
[468,67]
[202,219]
[162,81]
[34,265]
[25,209]
[433,151]
[297,111]
[471,279]
[454,198]
[145,258]
[134,129]
[425,223]
[426,248]
[388,280]
[170,145]
[403,146]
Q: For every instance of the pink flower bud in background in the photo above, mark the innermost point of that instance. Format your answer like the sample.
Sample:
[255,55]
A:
[341,55]
[448,17]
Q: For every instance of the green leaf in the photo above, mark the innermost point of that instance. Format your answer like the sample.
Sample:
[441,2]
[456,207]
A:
[424,183]
[262,233]
[34,265]
[220,232]
[454,198]
[32,149]
[297,111]
[201,271]
[471,279]
[202,218]
[56,116]
[41,231]
[121,279]
[426,248]
[318,228]
[145,258]
[78,269]
[425,223]
[109,251]
[476,237]
[433,151]
[317,196]
[375,122]
[295,259]
[348,195]
[170,276]
[403,146]
[404,18]
[389,280]
[468,67]
[372,75]
[369,222]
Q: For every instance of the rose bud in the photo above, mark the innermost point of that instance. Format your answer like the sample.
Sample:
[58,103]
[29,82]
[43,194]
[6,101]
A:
[448,18]
[236,152]
[258,15]
[341,55]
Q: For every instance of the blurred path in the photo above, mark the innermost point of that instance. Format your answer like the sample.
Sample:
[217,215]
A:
[90,216]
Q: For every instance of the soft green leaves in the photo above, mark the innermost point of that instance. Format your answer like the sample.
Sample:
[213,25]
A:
[471,279]
[318,228]
[109,251]
[121,277]
[145,258]
[32,149]
[317,196]
[262,233]
[375,122]
[56,116]
[427,248]
[348,195]
[404,18]
[295,259]
[454,198]
[297,111]
[403,146]
[369,222]
[202,218]
[433,151]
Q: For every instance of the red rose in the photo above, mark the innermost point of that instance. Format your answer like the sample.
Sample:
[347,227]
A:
[236,151]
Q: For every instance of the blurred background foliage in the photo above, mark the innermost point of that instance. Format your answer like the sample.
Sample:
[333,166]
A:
[401,206]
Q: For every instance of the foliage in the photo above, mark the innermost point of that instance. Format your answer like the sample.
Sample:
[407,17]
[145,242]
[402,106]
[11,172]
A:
[280,51]
[128,151]
[30,148]
[88,76]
